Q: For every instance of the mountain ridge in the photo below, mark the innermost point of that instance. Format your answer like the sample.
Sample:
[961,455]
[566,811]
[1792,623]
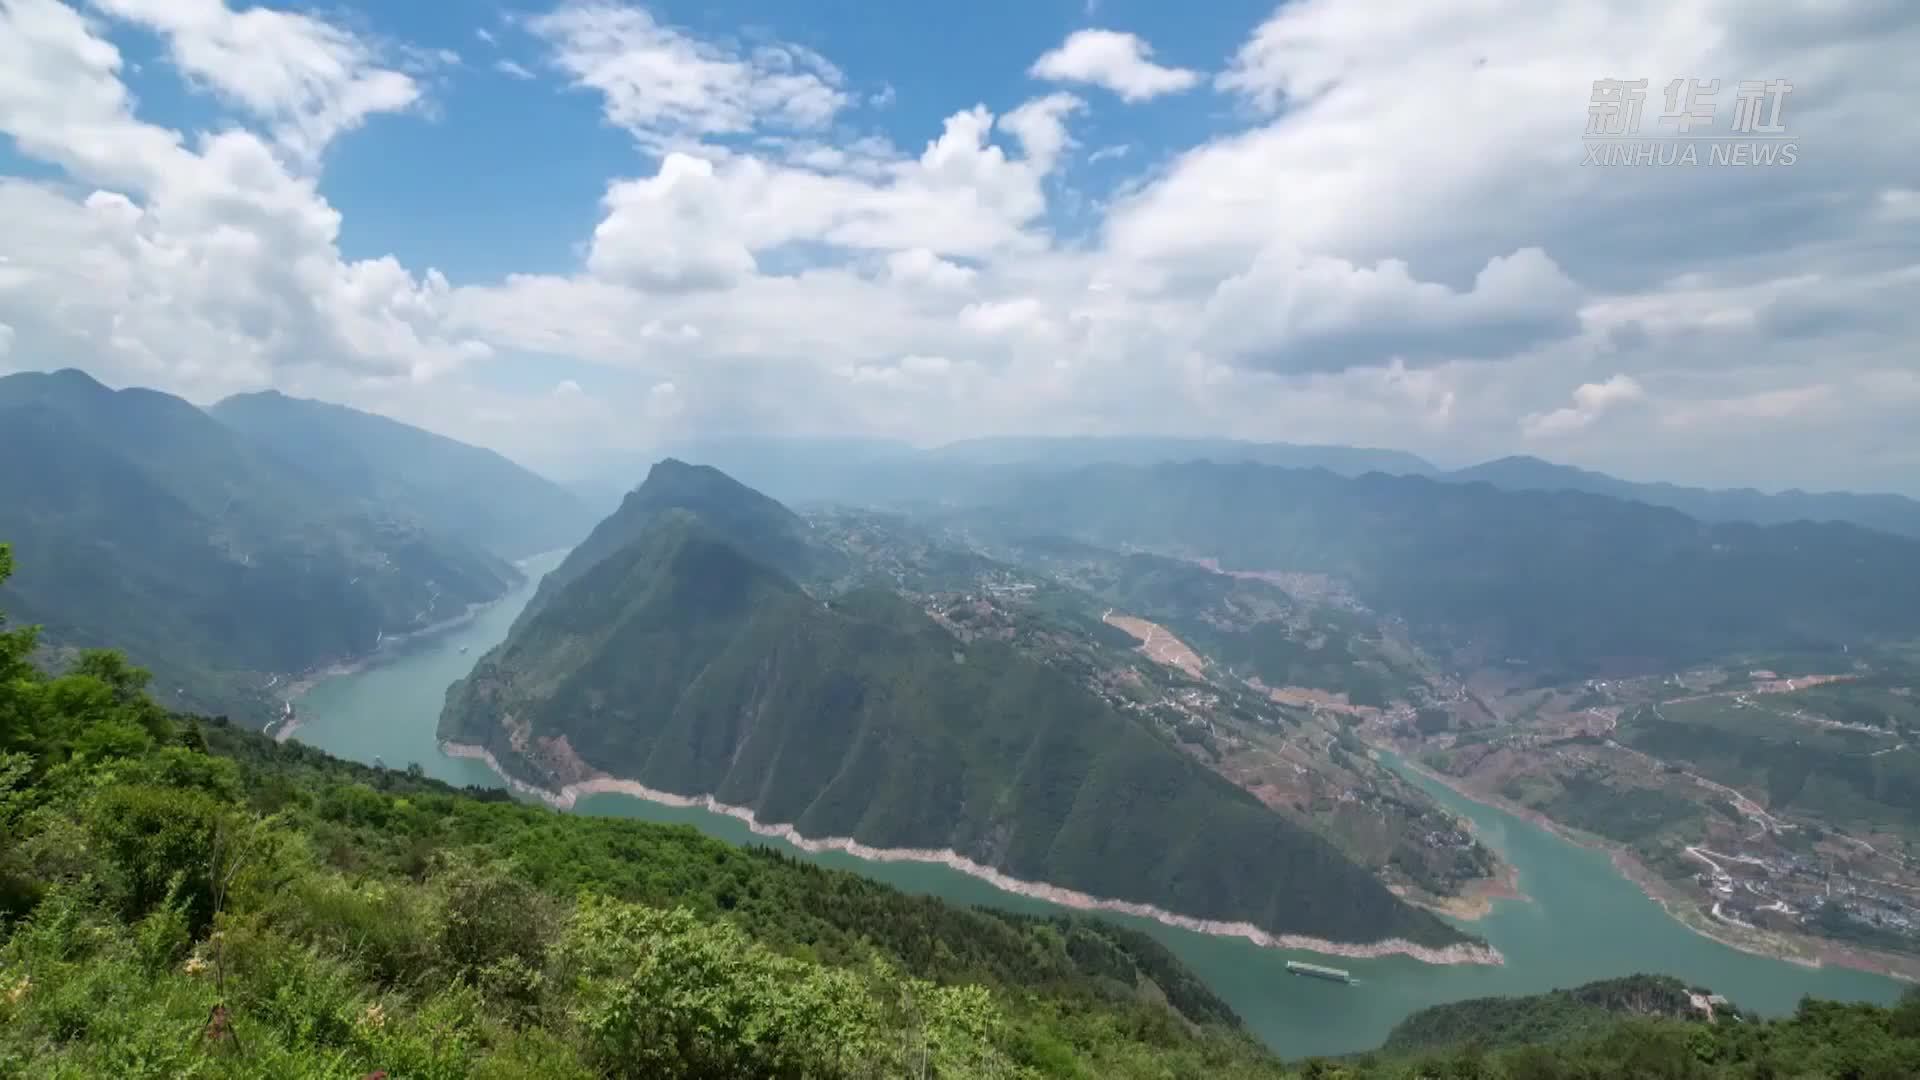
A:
[460,490]
[1885,512]
[144,523]
[685,665]
[771,531]
[1502,572]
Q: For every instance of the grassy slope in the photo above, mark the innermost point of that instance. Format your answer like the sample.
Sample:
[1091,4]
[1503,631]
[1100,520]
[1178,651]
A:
[374,920]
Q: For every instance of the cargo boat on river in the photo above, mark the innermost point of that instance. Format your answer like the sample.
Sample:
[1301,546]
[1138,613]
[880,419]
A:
[1318,972]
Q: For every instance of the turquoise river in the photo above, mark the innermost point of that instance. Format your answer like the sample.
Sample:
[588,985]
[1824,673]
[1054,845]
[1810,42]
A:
[1581,919]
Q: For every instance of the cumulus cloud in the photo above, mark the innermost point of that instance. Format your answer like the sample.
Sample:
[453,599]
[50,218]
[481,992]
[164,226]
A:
[208,266]
[921,267]
[1296,312]
[663,84]
[1590,402]
[308,79]
[1041,127]
[700,222]
[1389,239]
[1122,63]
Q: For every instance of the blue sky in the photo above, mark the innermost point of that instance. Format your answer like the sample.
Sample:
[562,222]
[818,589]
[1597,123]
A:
[574,228]
[533,155]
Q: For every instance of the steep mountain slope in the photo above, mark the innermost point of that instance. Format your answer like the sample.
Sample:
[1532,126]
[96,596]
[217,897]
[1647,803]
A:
[1562,583]
[1887,513]
[690,666]
[457,490]
[146,525]
[762,527]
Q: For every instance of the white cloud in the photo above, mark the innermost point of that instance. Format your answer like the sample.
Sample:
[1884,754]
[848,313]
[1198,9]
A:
[1041,127]
[205,267]
[1295,312]
[1766,405]
[308,79]
[703,222]
[655,330]
[1003,316]
[1123,63]
[664,85]
[1390,240]
[668,230]
[512,69]
[1590,402]
[1900,204]
[1109,153]
[664,402]
[920,267]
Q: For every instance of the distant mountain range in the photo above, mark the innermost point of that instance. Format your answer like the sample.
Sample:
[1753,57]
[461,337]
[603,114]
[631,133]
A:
[1887,513]
[461,491]
[267,538]
[679,651]
[811,469]
[1074,451]
[883,472]
[1563,583]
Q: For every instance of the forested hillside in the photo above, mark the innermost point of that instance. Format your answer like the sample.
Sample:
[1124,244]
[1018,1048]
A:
[457,490]
[683,663]
[146,525]
[1562,583]
[1555,1016]
[178,897]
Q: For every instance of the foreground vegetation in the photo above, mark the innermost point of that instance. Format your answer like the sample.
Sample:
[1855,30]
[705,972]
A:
[179,898]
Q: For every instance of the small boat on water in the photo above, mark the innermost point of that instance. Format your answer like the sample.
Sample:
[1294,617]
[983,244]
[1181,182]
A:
[463,650]
[1316,971]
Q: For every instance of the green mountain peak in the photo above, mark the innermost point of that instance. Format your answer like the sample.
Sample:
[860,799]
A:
[687,661]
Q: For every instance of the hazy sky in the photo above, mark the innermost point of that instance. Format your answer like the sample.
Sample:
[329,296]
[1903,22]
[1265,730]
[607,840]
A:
[557,229]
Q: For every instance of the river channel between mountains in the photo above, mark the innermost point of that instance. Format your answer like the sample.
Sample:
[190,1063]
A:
[1581,919]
